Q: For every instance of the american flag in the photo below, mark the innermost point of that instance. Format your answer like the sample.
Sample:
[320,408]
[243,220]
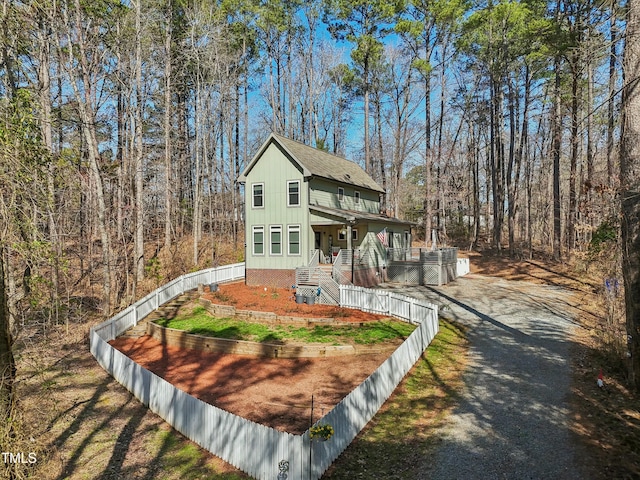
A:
[382,236]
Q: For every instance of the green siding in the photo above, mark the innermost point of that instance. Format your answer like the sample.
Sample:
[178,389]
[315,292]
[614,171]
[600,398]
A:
[274,170]
[324,193]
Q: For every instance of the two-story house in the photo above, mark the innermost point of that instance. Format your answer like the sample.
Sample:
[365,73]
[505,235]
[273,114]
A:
[304,205]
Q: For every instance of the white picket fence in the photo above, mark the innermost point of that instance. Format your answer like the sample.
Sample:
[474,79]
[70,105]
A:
[358,408]
[251,447]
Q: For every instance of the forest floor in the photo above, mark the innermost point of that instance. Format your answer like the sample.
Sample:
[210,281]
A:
[83,424]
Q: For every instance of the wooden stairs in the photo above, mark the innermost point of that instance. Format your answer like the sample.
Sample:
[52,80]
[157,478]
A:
[168,310]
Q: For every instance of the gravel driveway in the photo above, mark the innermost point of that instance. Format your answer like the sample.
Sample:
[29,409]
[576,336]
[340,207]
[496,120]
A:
[513,419]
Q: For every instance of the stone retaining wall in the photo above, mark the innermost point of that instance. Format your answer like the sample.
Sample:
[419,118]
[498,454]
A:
[179,338]
[229,311]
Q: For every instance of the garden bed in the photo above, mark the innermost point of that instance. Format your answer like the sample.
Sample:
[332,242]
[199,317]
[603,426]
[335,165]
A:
[272,391]
[281,301]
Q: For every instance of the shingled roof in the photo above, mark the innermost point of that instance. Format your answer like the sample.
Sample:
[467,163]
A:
[317,163]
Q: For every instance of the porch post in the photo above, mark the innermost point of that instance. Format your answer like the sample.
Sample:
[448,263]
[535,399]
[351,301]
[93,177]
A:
[349,237]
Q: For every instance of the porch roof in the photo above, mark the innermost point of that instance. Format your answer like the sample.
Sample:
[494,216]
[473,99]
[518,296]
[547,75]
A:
[353,216]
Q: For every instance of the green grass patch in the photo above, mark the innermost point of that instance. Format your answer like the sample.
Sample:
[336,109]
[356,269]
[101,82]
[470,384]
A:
[398,440]
[200,322]
[185,460]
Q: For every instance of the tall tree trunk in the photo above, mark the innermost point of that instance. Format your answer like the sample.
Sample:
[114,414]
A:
[197,150]
[236,160]
[183,134]
[497,163]
[8,61]
[168,176]
[368,163]
[441,212]
[428,162]
[556,139]
[512,183]
[590,158]
[44,92]
[573,165]
[629,187]
[139,167]
[7,362]
[516,161]
[81,75]
[383,173]
[612,93]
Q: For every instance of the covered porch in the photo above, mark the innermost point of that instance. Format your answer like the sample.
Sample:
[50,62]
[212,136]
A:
[335,230]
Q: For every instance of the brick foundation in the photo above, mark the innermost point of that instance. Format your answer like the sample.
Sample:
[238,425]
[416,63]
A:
[270,277]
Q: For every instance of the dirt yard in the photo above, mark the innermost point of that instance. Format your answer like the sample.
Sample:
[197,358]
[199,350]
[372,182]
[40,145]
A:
[273,392]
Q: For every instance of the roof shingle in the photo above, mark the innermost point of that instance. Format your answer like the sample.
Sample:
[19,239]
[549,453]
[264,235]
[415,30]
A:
[319,163]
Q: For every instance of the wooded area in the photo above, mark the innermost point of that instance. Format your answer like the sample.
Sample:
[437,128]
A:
[125,124]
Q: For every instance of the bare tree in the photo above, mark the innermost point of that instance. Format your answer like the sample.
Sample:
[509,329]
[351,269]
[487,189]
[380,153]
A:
[138,254]
[630,186]
[81,72]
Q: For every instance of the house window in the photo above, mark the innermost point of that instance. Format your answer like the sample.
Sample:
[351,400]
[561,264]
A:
[356,197]
[354,234]
[293,232]
[258,240]
[340,194]
[275,232]
[293,188]
[258,195]
[342,235]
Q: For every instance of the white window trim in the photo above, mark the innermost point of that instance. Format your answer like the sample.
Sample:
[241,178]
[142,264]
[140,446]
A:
[292,228]
[340,194]
[354,234]
[253,202]
[289,182]
[275,228]
[255,229]
[356,197]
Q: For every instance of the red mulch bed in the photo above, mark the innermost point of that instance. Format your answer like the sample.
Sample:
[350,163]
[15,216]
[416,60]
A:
[273,392]
[281,301]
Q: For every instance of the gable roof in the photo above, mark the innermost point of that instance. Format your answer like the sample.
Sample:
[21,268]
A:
[316,163]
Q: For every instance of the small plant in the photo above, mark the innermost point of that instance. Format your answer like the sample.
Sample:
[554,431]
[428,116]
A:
[321,432]
[153,269]
[223,298]
[606,233]
[340,312]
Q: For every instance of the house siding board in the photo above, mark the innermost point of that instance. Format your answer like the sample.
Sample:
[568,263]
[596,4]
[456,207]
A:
[317,219]
[325,194]
[274,170]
